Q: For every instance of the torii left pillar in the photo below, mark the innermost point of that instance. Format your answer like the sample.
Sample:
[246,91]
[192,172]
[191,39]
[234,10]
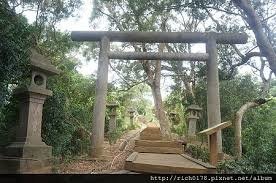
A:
[97,137]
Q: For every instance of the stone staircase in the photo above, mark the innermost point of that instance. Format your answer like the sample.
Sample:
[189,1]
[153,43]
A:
[154,155]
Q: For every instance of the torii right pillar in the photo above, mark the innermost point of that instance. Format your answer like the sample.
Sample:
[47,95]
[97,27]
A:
[213,99]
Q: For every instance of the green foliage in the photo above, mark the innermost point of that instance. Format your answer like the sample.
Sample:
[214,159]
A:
[114,136]
[9,121]
[273,88]
[198,152]
[15,42]
[173,102]
[233,94]
[67,114]
[259,144]
[179,129]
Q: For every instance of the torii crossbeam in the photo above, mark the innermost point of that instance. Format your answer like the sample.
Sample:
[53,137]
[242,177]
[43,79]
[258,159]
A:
[211,39]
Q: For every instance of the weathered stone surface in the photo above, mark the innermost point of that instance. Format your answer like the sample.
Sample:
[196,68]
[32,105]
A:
[42,64]
[113,113]
[112,124]
[28,152]
[97,137]
[193,116]
[11,165]
[23,150]
[151,133]
[131,116]
[192,126]
[160,37]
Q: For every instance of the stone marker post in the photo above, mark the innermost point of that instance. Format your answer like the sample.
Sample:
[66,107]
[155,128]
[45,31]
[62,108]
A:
[113,113]
[131,116]
[29,152]
[193,116]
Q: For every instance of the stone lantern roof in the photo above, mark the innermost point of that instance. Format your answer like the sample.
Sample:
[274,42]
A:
[41,69]
[194,107]
[41,63]
[112,105]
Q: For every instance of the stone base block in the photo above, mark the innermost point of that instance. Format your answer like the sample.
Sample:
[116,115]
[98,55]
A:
[22,150]
[25,158]
[10,165]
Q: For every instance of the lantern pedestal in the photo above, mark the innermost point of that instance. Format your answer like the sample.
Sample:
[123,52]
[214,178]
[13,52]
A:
[112,121]
[28,152]
[131,117]
[193,116]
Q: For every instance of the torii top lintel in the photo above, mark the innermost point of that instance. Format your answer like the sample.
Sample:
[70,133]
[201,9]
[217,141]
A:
[160,37]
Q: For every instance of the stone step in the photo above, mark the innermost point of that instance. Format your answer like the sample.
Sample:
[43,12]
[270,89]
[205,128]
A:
[161,150]
[166,164]
[158,143]
[151,133]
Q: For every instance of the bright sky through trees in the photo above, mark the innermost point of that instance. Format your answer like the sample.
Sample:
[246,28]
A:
[81,23]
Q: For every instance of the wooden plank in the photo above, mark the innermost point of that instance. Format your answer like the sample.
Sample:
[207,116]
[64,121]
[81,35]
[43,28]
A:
[159,169]
[213,149]
[160,150]
[206,165]
[216,128]
[124,172]
[164,163]
[158,143]
[211,168]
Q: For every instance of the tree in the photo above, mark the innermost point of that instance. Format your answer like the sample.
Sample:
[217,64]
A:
[238,123]
[144,18]
[15,40]
[255,24]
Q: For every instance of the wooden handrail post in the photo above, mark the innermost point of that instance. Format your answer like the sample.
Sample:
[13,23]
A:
[213,138]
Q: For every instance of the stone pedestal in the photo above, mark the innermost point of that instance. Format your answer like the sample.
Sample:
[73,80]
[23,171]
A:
[112,121]
[131,117]
[28,153]
[173,118]
[193,116]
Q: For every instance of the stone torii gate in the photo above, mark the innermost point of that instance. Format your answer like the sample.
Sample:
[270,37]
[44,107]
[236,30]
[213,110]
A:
[211,39]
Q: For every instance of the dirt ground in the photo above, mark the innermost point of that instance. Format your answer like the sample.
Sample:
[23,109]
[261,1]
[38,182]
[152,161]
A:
[113,159]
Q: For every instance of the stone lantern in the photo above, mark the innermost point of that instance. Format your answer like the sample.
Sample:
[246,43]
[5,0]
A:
[173,118]
[29,152]
[131,112]
[193,116]
[113,113]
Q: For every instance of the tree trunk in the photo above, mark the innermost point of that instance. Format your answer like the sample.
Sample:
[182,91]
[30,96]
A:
[237,124]
[159,111]
[256,26]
